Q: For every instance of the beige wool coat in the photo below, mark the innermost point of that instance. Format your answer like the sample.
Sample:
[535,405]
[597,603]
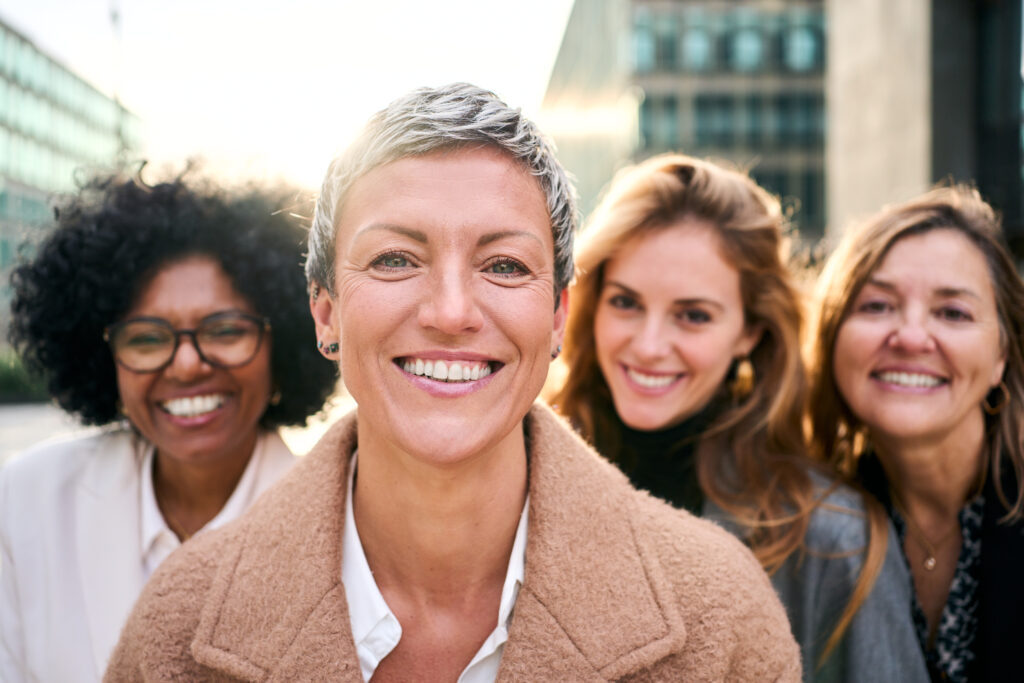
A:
[618,586]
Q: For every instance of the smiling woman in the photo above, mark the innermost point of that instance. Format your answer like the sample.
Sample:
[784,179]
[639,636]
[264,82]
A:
[918,378]
[176,315]
[450,528]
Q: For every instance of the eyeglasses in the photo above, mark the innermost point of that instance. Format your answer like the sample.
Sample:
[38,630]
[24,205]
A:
[224,340]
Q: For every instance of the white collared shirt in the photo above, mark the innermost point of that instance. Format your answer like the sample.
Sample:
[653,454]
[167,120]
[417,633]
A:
[375,628]
[158,541]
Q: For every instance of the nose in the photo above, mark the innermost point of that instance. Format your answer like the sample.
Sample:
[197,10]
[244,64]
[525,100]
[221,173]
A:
[912,334]
[650,341]
[186,363]
[450,305]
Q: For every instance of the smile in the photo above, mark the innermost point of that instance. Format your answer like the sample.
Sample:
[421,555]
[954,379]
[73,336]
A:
[446,371]
[651,381]
[193,406]
[909,379]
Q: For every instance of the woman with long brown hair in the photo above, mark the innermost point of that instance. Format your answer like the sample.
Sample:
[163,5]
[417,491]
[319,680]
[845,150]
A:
[684,368]
[917,379]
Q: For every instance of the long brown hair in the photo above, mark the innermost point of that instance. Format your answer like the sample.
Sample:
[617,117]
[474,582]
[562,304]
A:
[836,433]
[753,460]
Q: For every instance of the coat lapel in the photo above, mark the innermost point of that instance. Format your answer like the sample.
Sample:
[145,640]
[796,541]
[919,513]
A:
[595,604]
[107,538]
[277,607]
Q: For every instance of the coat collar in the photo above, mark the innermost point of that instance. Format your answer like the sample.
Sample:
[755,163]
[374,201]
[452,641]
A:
[586,567]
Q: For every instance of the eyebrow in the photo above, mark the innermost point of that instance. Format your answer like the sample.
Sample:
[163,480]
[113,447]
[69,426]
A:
[945,292]
[678,302]
[417,235]
[503,234]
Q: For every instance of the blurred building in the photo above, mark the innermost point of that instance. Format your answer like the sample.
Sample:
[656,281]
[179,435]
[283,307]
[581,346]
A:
[736,80]
[52,122]
[922,91]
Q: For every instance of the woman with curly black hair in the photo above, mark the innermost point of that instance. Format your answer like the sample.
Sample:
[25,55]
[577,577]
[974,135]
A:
[177,315]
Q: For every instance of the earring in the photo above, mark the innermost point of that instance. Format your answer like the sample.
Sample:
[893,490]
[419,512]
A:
[556,352]
[275,398]
[743,383]
[327,350]
[315,291]
[996,409]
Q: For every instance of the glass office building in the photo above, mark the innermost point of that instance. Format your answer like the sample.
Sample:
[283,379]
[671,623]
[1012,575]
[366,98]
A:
[52,123]
[740,81]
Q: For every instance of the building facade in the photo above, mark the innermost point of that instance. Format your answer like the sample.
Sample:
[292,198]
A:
[740,81]
[53,124]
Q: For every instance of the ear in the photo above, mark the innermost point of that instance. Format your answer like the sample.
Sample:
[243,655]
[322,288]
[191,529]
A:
[748,340]
[561,315]
[997,371]
[321,306]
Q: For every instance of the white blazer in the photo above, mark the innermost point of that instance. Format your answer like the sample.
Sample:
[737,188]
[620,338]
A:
[70,550]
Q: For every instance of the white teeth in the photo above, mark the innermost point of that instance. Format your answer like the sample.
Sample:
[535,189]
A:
[191,406]
[910,379]
[440,370]
[650,381]
[447,371]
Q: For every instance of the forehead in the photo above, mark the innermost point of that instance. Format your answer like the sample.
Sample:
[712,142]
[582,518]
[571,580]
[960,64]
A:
[192,286]
[684,260]
[942,258]
[452,191]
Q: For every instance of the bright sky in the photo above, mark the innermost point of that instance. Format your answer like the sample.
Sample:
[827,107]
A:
[271,89]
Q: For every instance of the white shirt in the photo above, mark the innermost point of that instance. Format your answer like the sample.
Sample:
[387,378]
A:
[158,541]
[375,628]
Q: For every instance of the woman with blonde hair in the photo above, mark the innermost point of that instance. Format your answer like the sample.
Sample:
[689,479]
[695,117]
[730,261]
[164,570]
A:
[917,379]
[684,368]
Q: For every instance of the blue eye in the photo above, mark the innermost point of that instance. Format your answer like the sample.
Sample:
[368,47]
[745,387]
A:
[391,261]
[506,267]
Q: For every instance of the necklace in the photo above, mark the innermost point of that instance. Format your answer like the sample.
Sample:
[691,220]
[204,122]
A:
[930,547]
[177,527]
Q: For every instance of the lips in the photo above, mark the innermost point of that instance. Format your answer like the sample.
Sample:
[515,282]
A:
[448,370]
[192,406]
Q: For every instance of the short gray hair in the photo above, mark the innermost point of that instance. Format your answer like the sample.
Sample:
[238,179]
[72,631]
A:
[432,119]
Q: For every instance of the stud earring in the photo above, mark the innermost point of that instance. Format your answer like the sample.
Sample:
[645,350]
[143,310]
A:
[275,398]
[328,349]
[315,291]
[556,352]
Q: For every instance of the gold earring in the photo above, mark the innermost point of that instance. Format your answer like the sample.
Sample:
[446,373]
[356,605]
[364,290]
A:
[743,383]
[996,409]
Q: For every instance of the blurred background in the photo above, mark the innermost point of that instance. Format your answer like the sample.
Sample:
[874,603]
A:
[837,106]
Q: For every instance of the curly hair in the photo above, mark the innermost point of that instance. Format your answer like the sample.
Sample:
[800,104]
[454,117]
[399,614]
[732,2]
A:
[110,240]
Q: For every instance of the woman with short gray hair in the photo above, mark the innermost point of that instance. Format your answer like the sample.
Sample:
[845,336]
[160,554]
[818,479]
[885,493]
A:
[450,528]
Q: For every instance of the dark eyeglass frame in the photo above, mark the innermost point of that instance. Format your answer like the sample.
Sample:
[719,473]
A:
[262,323]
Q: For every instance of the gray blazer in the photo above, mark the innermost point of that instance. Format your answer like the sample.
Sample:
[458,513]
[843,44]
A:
[880,644]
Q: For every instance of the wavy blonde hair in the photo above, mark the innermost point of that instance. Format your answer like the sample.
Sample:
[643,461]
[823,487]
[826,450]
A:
[836,434]
[753,461]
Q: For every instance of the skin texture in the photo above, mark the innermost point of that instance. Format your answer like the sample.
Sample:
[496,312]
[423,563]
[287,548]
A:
[442,257]
[936,323]
[183,293]
[670,310]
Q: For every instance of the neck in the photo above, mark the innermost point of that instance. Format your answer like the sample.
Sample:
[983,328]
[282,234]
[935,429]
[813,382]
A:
[934,477]
[433,531]
[191,494]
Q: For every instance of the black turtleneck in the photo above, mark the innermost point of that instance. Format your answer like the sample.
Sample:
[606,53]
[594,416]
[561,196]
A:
[664,461]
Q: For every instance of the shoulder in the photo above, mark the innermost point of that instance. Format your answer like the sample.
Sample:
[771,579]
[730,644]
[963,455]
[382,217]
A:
[50,466]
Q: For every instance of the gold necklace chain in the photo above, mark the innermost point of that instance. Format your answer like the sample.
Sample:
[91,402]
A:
[930,547]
